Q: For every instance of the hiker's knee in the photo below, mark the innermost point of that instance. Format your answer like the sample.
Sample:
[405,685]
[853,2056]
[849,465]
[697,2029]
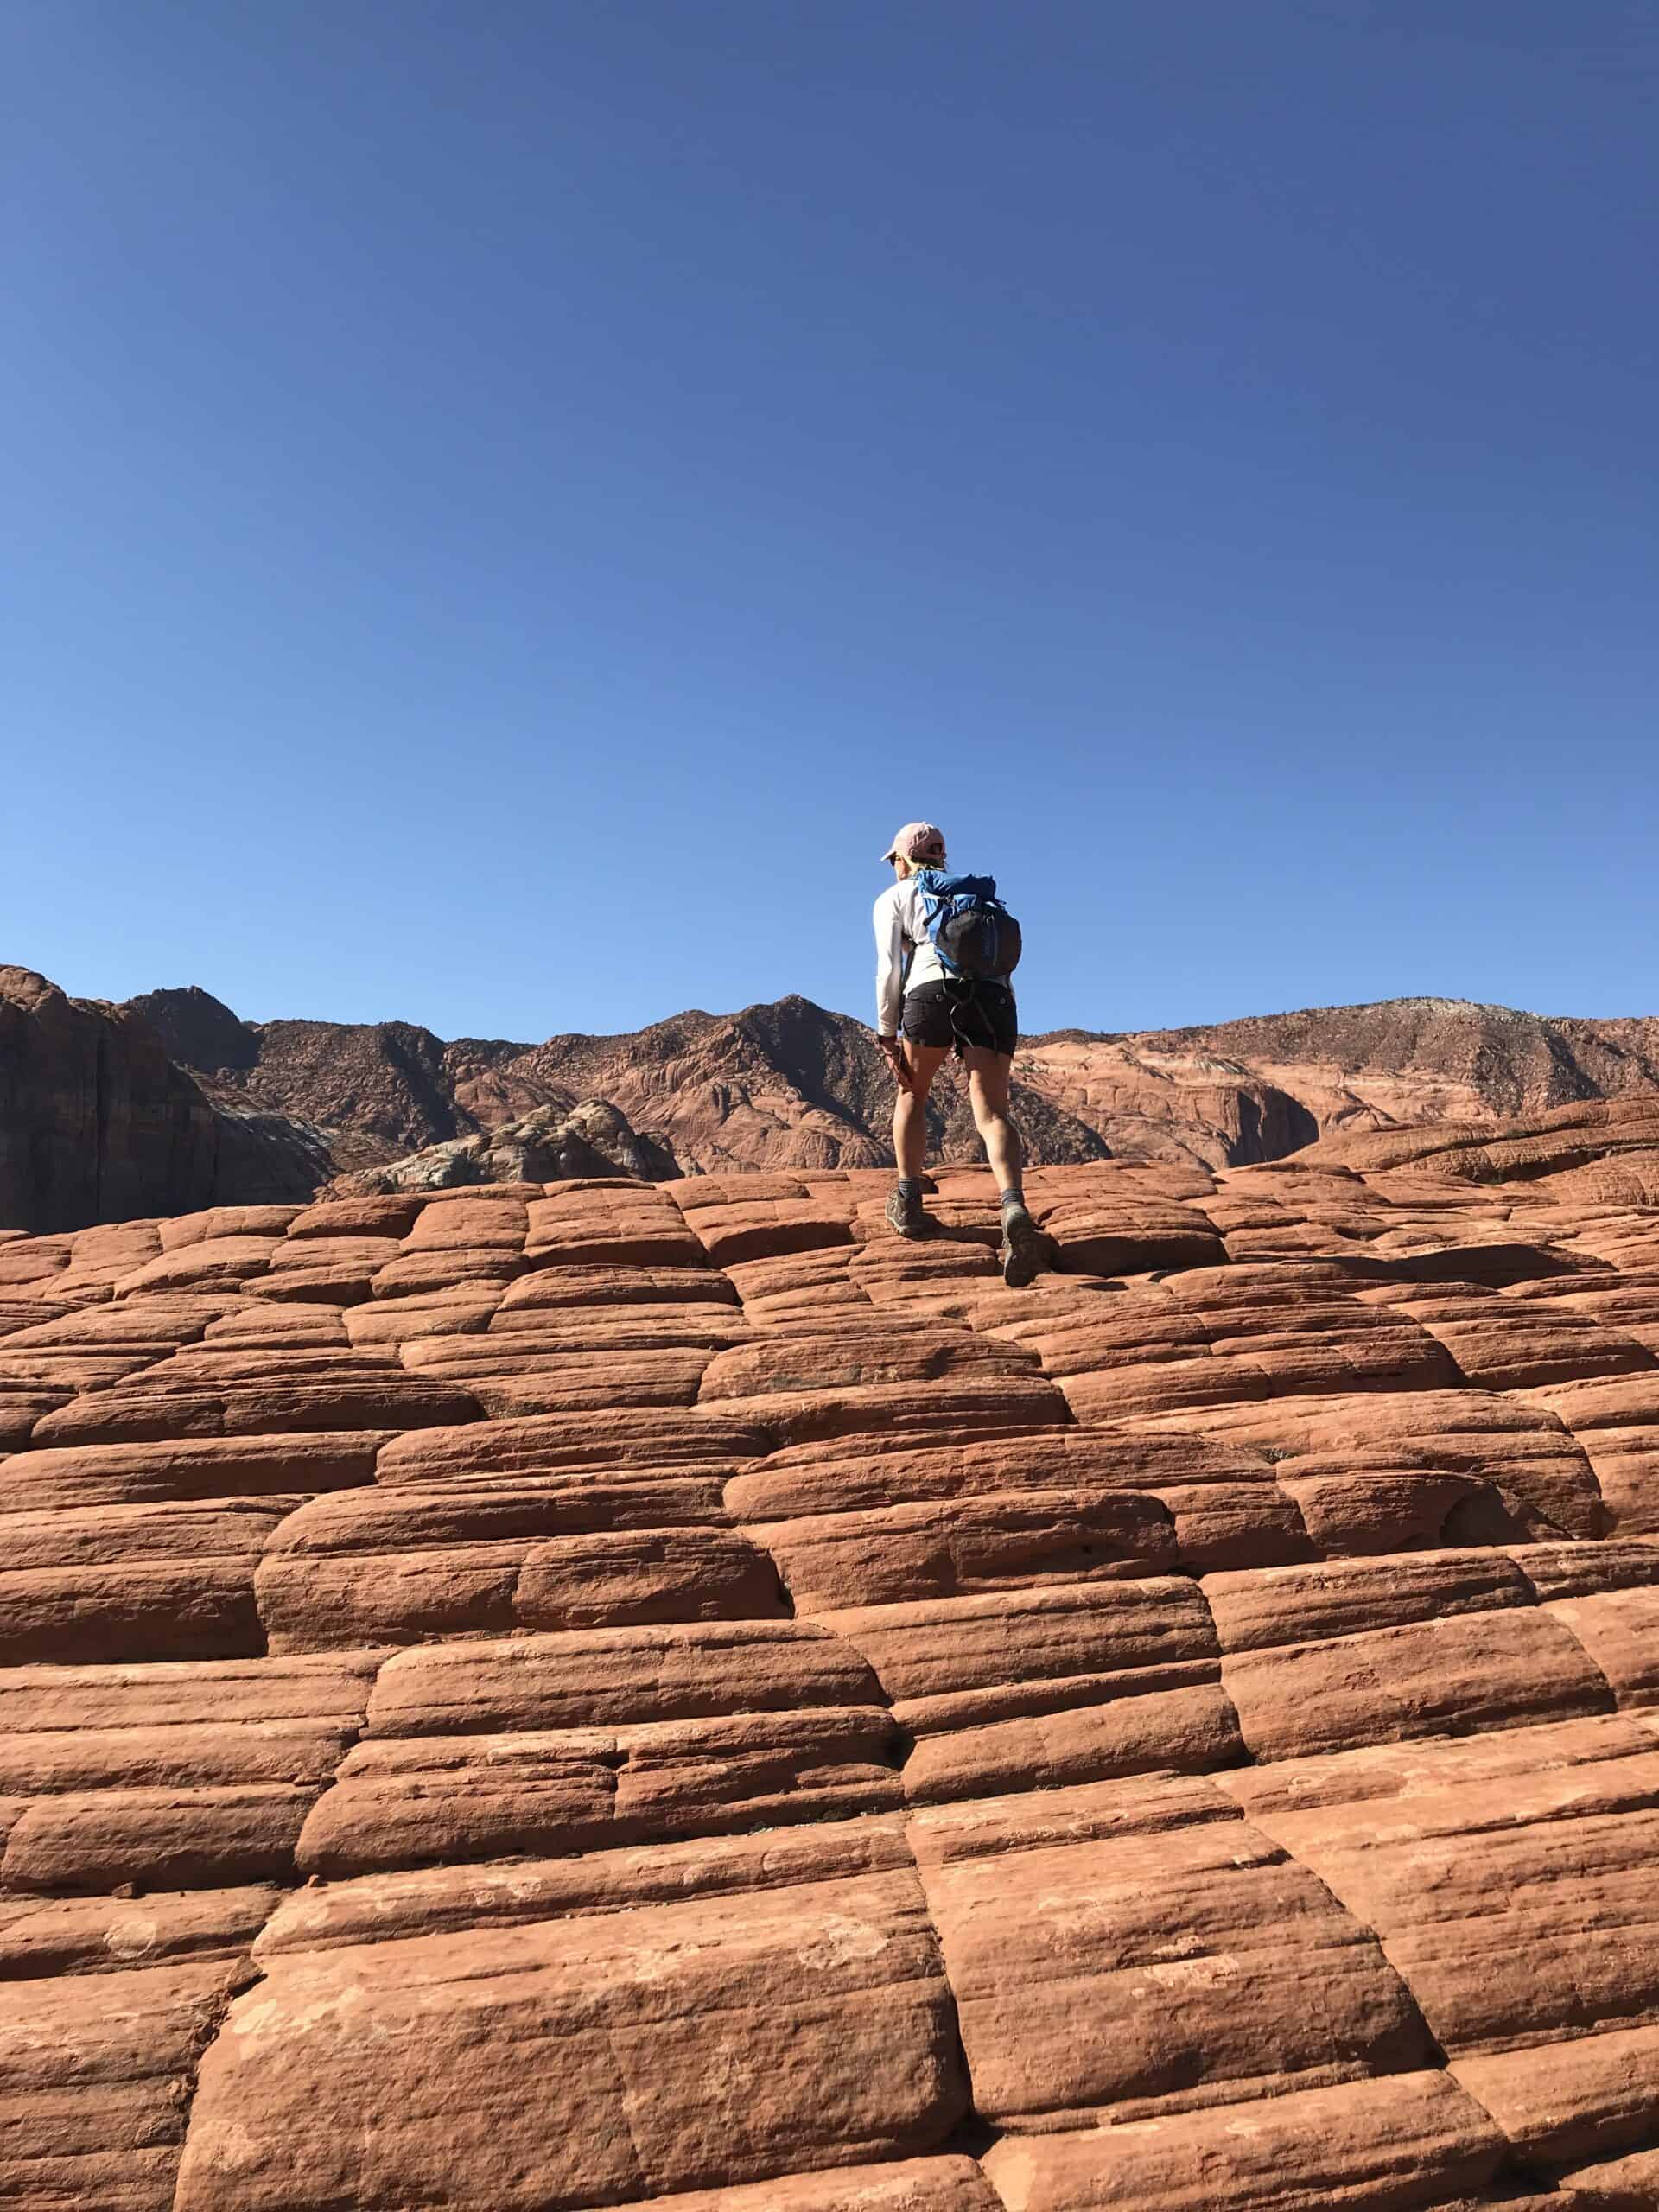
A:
[924,1063]
[988,1088]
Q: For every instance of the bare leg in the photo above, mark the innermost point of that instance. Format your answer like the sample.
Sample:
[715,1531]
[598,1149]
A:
[988,1075]
[910,1107]
[1026,1250]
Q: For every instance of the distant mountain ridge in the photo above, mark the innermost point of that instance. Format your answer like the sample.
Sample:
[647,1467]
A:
[790,1085]
[782,1084]
[172,1100]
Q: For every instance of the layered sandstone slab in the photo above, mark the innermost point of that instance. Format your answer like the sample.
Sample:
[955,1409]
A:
[555,1697]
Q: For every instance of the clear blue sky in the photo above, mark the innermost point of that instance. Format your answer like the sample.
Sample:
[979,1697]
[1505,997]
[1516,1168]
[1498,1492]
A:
[511,502]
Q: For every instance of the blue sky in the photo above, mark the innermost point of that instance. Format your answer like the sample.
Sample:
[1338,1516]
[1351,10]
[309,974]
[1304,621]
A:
[513,502]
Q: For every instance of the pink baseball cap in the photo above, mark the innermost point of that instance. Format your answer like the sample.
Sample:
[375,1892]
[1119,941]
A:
[917,840]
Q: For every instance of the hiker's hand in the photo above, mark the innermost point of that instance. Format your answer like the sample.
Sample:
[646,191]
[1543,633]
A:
[896,1061]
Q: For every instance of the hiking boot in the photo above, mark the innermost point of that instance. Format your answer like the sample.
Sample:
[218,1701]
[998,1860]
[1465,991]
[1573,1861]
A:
[905,1215]
[1026,1251]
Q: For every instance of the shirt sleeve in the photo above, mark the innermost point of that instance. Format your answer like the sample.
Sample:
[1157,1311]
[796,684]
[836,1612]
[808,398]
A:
[889,964]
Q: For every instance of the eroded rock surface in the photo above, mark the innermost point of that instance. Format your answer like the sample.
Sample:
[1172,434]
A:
[541,1695]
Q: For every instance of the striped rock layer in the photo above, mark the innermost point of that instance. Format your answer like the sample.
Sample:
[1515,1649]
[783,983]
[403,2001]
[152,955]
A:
[524,1700]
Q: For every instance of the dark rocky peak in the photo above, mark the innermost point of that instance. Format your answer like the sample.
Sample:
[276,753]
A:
[198,1031]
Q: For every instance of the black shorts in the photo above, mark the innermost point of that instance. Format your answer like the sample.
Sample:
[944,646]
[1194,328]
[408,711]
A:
[962,1015]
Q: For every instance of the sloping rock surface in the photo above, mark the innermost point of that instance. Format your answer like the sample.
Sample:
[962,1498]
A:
[531,1697]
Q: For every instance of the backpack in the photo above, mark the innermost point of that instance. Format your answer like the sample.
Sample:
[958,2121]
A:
[972,932]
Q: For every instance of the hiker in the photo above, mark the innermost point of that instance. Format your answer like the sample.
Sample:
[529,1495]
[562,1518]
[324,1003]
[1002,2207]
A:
[925,1009]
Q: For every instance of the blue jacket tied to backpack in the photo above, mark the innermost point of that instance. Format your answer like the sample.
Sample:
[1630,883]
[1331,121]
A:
[976,937]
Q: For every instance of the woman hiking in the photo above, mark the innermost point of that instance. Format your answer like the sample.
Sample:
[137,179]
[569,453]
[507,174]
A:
[923,1013]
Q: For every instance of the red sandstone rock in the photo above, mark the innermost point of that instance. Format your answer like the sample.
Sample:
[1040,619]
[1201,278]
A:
[43,1937]
[648,1438]
[1568,1850]
[966,1403]
[388,1216]
[858,1354]
[526,1346]
[1209,1967]
[381,1328]
[444,1900]
[421,1801]
[595,1382]
[609,1676]
[258,1323]
[1616,1423]
[233,1221]
[192,1468]
[1052,1686]
[1301,1604]
[1434,1678]
[1579,2099]
[120,1582]
[587,1289]
[22,1410]
[1391,2145]
[1291,1720]
[760,1228]
[170,1776]
[27,1261]
[630,1576]
[434,1267]
[1619,1629]
[469,1223]
[539,2039]
[269,1406]
[95,1839]
[1005,1539]
[863,1474]
[621,1227]
[99,2091]
[394,1565]
[1523,1452]
[902,2186]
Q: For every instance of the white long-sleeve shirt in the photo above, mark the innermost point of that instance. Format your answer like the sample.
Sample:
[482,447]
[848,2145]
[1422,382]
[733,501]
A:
[904,952]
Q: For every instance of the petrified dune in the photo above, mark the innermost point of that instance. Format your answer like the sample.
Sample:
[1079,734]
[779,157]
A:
[541,1697]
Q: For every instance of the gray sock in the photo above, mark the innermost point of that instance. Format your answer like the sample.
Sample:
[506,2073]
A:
[910,1186]
[1014,1201]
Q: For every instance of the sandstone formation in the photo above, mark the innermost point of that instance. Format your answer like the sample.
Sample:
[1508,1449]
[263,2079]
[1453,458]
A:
[539,1696]
[588,1140]
[98,1124]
